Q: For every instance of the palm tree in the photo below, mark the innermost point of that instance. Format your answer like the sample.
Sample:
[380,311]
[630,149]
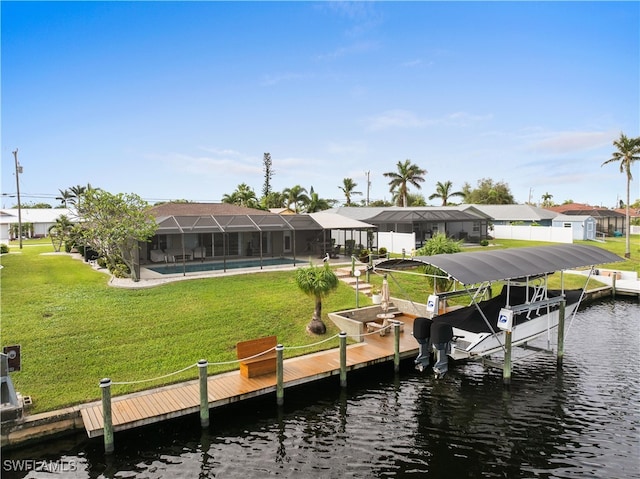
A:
[628,152]
[65,197]
[443,191]
[348,187]
[60,232]
[316,203]
[242,196]
[296,196]
[408,173]
[317,281]
[546,200]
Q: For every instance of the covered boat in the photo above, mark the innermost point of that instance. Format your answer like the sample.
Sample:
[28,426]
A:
[525,308]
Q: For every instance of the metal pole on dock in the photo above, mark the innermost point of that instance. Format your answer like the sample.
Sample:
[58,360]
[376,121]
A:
[396,338]
[204,393]
[343,359]
[561,314]
[279,375]
[105,386]
[506,370]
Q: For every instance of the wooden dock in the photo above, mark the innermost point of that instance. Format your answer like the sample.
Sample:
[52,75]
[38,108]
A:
[159,404]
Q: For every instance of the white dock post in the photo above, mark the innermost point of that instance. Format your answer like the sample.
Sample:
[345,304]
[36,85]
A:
[204,393]
[105,386]
[396,338]
[343,359]
[279,375]
[561,314]
[506,370]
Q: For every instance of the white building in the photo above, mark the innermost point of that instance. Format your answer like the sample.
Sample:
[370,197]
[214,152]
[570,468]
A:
[35,221]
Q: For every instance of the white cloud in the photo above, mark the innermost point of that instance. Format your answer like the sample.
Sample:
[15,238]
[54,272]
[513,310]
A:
[395,119]
[571,141]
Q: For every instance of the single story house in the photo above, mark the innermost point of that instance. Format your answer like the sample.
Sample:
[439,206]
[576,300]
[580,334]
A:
[521,215]
[220,231]
[466,223]
[582,226]
[35,222]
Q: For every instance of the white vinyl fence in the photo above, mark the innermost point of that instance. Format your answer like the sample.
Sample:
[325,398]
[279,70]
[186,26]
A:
[396,242]
[533,233]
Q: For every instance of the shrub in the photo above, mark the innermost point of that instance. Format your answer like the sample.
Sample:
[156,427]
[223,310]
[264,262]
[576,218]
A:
[4,249]
[382,251]
[484,242]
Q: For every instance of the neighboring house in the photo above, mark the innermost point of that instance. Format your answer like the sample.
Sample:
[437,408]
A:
[282,211]
[583,227]
[35,221]
[609,222]
[523,215]
[424,221]
[212,231]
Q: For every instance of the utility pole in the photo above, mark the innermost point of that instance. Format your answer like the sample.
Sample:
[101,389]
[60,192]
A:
[18,171]
[368,185]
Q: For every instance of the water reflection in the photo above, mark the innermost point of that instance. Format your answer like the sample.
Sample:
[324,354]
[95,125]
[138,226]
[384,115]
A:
[580,421]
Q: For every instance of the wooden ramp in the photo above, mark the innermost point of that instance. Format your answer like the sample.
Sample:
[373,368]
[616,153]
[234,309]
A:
[159,404]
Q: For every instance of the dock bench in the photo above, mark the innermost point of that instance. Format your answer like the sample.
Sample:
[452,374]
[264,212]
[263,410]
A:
[251,366]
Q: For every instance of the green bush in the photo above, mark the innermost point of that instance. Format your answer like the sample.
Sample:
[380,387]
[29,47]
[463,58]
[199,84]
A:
[382,251]
[4,248]
[484,242]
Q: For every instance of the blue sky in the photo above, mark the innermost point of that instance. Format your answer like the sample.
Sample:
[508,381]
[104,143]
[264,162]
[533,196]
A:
[180,100]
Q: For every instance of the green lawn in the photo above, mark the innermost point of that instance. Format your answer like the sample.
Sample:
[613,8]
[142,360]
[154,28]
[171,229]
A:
[75,329]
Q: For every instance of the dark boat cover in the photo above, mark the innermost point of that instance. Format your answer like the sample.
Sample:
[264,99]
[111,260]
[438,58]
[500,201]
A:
[507,264]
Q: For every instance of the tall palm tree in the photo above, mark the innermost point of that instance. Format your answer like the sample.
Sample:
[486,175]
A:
[443,191]
[408,173]
[348,187]
[546,200]
[628,152]
[316,203]
[65,197]
[296,196]
[317,281]
[242,196]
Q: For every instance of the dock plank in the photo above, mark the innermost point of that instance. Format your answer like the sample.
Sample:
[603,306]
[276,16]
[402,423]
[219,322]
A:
[155,405]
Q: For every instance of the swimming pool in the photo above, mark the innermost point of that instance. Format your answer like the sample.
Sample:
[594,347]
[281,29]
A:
[220,265]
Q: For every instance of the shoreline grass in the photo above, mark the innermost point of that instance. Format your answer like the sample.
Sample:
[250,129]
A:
[74,328]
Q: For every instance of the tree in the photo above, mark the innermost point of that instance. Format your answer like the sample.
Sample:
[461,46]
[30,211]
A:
[546,200]
[348,188]
[65,197]
[60,232]
[439,244]
[268,175]
[488,193]
[242,196]
[443,191]
[274,199]
[318,282]
[112,225]
[408,173]
[628,153]
[316,203]
[296,196]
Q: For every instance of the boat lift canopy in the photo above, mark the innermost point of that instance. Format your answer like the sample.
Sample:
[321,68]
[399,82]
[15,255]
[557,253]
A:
[506,264]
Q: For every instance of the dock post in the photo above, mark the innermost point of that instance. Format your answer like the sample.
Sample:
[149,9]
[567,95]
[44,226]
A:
[561,314]
[204,393]
[279,375]
[105,386]
[396,338]
[343,359]
[613,284]
[506,370]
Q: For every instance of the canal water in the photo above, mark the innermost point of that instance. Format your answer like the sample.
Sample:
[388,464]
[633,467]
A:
[578,422]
